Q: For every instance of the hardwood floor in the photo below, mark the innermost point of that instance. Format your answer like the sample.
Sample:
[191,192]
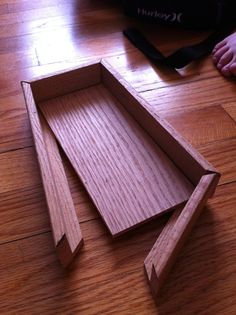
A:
[107,277]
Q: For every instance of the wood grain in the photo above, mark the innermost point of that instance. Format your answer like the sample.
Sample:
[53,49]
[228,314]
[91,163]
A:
[222,150]
[230,108]
[164,252]
[65,82]
[209,124]
[114,157]
[65,226]
[146,77]
[16,165]
[194,96]
[43,37]
[192,164]
[207,261]
[72,240]
[20,136]
[22,59]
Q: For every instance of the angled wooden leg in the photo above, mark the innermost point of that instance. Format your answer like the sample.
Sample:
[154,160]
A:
[65,226]
[164,252]
[72,240]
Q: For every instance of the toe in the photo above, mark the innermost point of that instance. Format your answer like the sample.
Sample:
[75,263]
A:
[218,46]
[226,71]
[225,59]
[219,53]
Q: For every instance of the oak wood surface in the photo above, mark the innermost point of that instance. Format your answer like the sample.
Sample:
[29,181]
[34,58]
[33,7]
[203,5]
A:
[164,252]
[41,37]
[64,222]
[114,157]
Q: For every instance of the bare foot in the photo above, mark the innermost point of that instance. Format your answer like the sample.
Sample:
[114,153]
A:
[224,55]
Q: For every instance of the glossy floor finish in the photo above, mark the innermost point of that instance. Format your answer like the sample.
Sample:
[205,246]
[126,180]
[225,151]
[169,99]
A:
[41,37]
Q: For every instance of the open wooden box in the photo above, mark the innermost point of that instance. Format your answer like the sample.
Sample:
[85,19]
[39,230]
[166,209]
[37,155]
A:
[134,165]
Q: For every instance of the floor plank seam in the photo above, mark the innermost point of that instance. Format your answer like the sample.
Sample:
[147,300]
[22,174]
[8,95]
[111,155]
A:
[16,149]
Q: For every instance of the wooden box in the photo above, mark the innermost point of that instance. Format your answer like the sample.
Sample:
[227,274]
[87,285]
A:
[133,164]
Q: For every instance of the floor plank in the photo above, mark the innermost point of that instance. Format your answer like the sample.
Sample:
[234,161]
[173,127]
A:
[222,155]
[20,135]
[203,126]
[17,165]
[13,113]
[191,96]
[145,76]
[230,109]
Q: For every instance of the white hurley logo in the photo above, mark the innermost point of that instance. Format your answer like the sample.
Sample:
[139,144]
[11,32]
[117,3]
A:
[170,17]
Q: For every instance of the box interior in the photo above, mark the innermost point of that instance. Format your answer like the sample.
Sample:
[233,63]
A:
[128,176]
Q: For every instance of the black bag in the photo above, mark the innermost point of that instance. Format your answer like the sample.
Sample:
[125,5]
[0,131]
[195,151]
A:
[218,15]
[200,14]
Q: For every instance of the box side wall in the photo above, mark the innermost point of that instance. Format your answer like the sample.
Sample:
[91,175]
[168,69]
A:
[45,169]
[65,82]
[191,163]
[165,252]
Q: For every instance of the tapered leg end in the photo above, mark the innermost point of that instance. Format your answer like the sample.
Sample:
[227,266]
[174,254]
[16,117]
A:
[65,253]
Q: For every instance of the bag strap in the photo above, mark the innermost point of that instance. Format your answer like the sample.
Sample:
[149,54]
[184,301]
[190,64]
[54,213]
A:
[182,56]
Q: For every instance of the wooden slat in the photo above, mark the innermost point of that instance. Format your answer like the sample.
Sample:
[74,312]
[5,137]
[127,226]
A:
[19,136]
[16,165]
[120,166]
[164,252]
[222,154]
[145,76]
[203,126]
[191,96]
[23,210]
[65,226]
[26,5]
[49,18]
[92,47]
[49,37]
[162,238]
[45,167]
[23,59]
[72,240]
